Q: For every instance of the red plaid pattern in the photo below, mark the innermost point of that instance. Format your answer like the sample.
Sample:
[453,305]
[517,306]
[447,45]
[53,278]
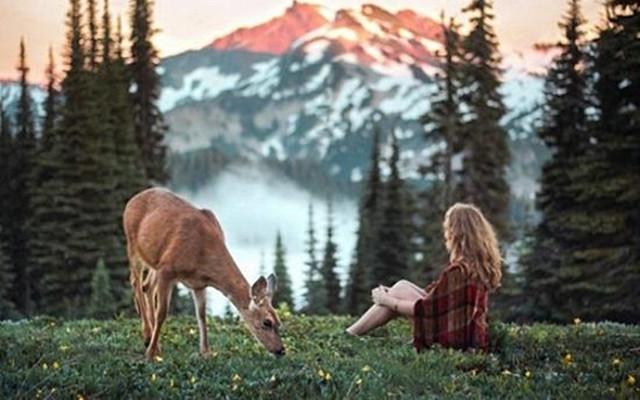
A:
[454,313]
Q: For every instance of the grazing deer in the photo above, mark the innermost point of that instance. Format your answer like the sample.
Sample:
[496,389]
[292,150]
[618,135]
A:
[170,241]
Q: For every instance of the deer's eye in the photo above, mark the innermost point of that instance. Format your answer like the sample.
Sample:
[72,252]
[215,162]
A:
[267,324]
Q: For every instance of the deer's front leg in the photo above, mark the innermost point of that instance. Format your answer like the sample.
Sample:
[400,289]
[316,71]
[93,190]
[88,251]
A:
[200,301]
[163,297]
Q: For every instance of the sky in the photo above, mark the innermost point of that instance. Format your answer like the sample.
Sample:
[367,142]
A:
[190,24]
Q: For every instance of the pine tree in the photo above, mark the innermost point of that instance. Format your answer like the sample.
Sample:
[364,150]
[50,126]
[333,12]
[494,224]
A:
[102,304]
[444,130]
[51,104]
[75,211]
[6,178]
[315,292]
[119,135]
[392,241]
[21,192]
[7,307]
[92,50]
[149,125]
[329,266]
[551,280]
[284,294]
[485,150]
[362,270]
[607,247]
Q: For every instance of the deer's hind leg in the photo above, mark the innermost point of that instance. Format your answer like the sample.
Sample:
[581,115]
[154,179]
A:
[162,295]
[136,278]
[149,284]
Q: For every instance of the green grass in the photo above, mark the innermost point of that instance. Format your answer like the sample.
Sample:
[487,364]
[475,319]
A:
[49,358]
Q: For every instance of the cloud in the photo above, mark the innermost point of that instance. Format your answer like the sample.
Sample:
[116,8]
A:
[252,203]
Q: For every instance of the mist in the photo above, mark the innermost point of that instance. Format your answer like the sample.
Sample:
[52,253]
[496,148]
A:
[253,203]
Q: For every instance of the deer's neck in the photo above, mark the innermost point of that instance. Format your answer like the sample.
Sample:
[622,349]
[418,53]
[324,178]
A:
[227,278]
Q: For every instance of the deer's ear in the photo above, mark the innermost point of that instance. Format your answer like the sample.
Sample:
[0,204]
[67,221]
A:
[259,288]
[272,284]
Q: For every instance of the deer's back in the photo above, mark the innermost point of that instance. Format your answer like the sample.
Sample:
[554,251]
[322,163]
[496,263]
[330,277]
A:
[164,228]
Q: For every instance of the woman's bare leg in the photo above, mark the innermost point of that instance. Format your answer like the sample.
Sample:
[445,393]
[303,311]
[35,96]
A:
[377,315]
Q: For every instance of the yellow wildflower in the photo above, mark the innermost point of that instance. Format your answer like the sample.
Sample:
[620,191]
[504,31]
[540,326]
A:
[616,362]
[568,359]
[577,321]
[366,368]
[80,397]
[153,377]
[192,331]
[273,378]
[158,359]
[506,372]
[172,383]
[327,376]
[56,365]
[527,374]
[193,379]
[64,348]
[631,380]
[359,381]
[236,378]
[45,366]
[321,373]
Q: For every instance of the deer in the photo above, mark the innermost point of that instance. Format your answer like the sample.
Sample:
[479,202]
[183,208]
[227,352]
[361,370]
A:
[169,241]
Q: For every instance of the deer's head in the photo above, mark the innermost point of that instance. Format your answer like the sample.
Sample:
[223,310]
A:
[261,318]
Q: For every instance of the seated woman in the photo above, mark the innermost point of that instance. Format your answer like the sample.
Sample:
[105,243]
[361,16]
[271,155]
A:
[451,311]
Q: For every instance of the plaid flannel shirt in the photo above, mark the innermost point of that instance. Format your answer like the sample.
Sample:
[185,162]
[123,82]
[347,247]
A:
[453,314]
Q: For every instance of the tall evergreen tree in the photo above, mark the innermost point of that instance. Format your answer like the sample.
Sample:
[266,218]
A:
[6,178]
[92,50]
[329,266]
[393,240]
[315,292]
[128,175]
[444,130]
[149,125]
[550,280]
[485,150]
[75,213]
[21,191]
[607,249]
[7,308]
[284,294]
[51,103]
[362,269]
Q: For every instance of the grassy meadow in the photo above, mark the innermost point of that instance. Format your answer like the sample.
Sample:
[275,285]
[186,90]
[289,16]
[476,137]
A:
[86,359]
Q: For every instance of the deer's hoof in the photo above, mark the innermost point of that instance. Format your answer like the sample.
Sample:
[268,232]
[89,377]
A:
[152,353]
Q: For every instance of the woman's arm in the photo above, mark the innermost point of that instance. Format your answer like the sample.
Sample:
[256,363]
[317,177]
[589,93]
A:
[382,297]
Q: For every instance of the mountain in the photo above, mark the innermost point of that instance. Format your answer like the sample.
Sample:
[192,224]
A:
[301,92]
[276,36]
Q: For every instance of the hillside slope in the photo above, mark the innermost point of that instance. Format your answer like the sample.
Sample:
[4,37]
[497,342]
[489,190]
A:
[48,358]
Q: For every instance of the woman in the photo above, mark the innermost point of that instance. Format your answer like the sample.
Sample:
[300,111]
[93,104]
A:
[452,311]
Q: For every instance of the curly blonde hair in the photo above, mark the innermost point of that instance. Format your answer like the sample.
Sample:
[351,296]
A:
[471,242]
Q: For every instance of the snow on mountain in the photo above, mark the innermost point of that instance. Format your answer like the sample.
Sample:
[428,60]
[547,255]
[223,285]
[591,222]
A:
[308,84]
[10,91]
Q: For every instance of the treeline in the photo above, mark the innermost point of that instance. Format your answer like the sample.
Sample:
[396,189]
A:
[583,259]
[67,178]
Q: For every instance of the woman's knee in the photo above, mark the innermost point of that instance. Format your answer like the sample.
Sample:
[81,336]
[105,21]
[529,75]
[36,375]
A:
[402,283]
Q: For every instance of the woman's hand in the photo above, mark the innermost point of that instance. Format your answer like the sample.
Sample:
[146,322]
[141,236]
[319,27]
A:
[380,295]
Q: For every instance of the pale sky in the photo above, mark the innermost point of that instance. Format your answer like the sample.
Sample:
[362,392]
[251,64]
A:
[192,24]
